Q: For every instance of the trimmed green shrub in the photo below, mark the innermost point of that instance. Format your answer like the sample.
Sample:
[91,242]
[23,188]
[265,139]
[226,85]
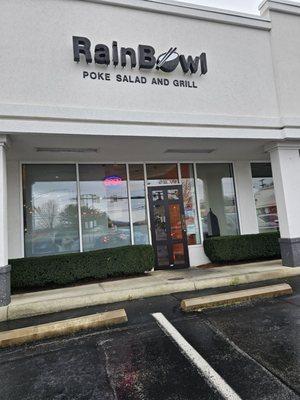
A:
[62,269]
[224,249]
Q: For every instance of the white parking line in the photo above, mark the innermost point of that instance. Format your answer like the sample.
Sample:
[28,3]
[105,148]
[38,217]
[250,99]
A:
[213,378]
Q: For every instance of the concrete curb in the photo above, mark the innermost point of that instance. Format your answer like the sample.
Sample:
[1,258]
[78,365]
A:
[4,313]
[238,279]
[60,328]
[222,299]
[22,307]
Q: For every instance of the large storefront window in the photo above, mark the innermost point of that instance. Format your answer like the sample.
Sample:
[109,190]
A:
[189,202]
[104,206]
[264,196]
[109,218]
[50,209]
[138,204]
[216,192]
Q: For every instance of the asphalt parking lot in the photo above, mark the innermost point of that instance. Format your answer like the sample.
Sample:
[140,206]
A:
[254,350]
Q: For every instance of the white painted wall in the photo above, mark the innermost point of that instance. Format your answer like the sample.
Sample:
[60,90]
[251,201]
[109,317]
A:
[285,42]
[285,157]
[197,255]
[37,66]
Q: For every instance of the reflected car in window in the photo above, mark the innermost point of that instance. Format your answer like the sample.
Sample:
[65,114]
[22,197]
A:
[268,222]
[115,239]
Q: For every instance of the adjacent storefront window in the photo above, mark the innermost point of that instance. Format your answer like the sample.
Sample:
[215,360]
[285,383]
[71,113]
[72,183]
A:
[216,193]
[50,209]
[264,196]
[138,204]
[104,206]
[189,202]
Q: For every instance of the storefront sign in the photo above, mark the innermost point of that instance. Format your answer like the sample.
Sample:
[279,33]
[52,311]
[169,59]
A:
[142,58]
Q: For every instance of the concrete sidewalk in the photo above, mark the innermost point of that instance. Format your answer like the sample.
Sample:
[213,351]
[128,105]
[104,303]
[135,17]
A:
[155,283]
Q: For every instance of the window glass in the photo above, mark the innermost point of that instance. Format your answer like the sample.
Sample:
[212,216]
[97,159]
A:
[50,209]
[264,196]
[138,204]
[104,206]
[162,174]
[189,201]
[216,193]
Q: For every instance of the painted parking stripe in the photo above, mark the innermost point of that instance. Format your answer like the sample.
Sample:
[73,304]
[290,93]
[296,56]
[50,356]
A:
[212,377]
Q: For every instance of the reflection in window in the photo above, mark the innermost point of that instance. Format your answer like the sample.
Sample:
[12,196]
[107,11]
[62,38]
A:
[104,206]
[216,192]
[162,174]
[178,253]
[173,194]
[189,201]
[159,220]
[50,209]
[175,221]
[264,195]
[138,204]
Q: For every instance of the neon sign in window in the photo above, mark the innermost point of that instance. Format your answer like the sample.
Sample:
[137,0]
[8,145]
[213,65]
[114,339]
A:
[112,180]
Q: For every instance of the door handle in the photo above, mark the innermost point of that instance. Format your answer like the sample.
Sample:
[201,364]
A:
[183,224]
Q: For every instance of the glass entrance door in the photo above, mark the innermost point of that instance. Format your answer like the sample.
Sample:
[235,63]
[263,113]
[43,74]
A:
[168,227]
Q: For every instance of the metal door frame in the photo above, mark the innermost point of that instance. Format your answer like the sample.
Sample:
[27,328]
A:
[169,241]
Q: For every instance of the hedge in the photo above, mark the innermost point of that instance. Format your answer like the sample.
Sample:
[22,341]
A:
[62,269]
[224,249]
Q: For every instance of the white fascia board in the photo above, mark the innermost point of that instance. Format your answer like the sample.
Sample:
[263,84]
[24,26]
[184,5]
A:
[291,133]
[21,126]
[286,145]
[192,11]
[67,120]
[105,116]
[286,7]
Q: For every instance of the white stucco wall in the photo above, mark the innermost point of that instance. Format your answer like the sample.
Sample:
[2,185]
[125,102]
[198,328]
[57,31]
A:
[37,66]
[285,42]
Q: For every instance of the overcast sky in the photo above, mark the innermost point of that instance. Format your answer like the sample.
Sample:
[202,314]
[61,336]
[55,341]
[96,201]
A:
[246,6]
